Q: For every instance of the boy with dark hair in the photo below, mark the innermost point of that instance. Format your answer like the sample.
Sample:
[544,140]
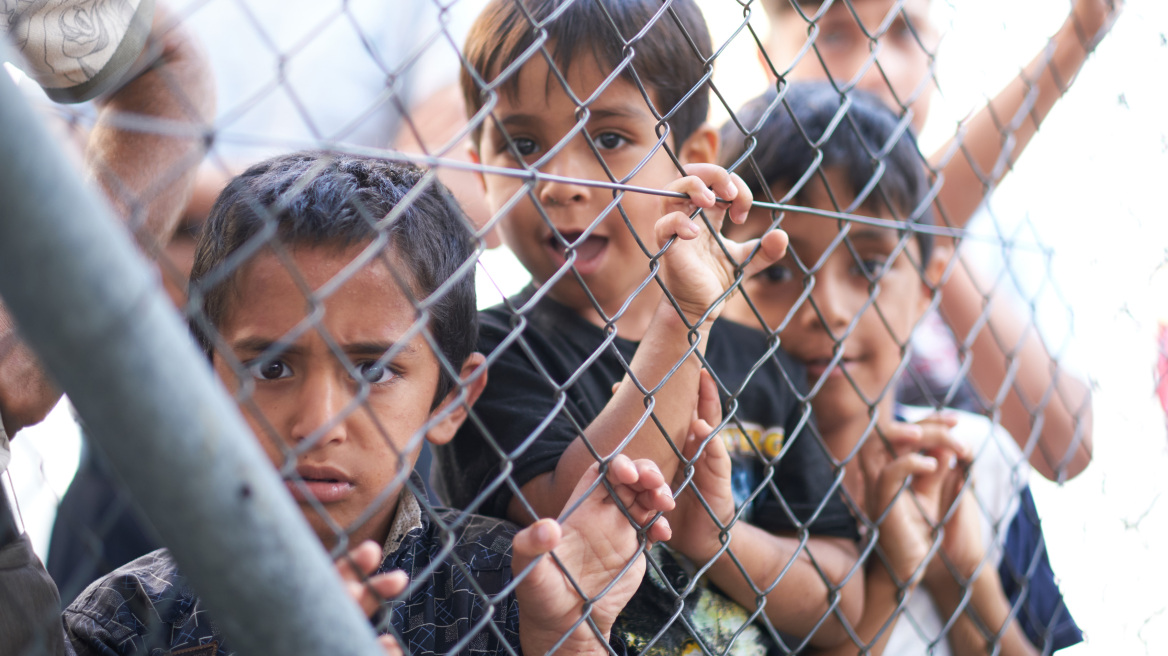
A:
[848,297]
[338,302]
[888,48]
[601,355]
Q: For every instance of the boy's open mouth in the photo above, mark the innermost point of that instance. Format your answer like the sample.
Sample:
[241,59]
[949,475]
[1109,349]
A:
[585,250]
[325,484]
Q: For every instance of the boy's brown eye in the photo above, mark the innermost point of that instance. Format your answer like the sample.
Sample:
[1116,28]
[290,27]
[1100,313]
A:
[609,140]
[775,273]
[525,146]
[372,372]
[269,370]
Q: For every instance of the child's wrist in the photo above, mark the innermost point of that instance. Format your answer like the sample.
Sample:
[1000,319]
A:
[685,320]
[583,641]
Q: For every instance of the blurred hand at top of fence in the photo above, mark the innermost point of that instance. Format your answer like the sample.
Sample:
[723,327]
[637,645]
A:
[595,542]
[696,533]
[145,171]
[1095,18]
[371,590]
[695,270]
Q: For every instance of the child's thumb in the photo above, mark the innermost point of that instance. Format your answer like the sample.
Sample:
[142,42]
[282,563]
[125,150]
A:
[534,541]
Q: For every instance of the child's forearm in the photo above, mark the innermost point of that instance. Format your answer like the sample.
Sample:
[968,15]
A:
[802,596]
[969,160]
[881,608]
[1005,346]
[665,343]
[147,143]
[988,603]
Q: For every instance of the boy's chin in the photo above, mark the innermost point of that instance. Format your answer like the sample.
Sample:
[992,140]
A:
[376,528]
[568,291]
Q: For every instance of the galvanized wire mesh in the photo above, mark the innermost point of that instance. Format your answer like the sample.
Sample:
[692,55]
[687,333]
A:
[814,536]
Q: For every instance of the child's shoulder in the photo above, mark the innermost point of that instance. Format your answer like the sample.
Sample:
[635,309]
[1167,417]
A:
[482,542]
[533,325]
[137,598]
[476,542]
[735,351]
[460,566]
[537,310]
[154,577]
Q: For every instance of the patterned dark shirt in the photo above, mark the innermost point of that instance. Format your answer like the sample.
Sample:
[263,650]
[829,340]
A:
[148,608]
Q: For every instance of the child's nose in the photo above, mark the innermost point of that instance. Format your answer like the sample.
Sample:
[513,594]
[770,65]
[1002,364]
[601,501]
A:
[565,172]
[829,305]
[321,411]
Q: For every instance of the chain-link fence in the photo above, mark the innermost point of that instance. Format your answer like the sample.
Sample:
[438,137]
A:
[898,408]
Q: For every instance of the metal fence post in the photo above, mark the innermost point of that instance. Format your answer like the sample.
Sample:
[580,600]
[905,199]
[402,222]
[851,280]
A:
[95,313]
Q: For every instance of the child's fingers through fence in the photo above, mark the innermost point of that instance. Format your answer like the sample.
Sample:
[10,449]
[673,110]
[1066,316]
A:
[369,591]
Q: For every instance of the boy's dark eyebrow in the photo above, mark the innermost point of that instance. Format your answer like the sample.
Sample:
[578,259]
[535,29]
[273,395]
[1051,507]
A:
[378,349]
[262,344]
[518,119]
[619,111]
[873,235]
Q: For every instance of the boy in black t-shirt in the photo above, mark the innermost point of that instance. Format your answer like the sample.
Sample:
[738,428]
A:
[595,316]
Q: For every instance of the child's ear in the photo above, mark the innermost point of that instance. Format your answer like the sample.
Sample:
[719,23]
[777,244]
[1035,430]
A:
[472,152]
[701,147]
[765,66]
[472,378]
[935,269]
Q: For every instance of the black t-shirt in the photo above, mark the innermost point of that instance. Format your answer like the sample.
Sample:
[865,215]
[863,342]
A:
[540,396]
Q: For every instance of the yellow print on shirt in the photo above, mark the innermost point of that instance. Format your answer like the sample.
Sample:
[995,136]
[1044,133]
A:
[768,440]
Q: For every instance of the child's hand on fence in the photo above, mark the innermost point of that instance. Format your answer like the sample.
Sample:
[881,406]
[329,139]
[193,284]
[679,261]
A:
[961,543]
[695,532]
[904,489]
[598,547]
[370,591]
[695,270]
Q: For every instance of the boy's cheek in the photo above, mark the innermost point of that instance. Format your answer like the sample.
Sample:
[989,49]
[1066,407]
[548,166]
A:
[267,441]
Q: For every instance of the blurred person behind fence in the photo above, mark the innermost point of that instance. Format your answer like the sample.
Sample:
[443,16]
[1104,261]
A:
[848,36]
[557,349]
[849,296]
[342,409]
[134,61]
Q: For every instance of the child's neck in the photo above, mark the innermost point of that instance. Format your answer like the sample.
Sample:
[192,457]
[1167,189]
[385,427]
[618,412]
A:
[634,322]
[842,434]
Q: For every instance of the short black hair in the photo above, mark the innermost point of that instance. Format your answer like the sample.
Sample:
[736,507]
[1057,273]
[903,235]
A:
[867,140]
[664,60]
[329,199]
